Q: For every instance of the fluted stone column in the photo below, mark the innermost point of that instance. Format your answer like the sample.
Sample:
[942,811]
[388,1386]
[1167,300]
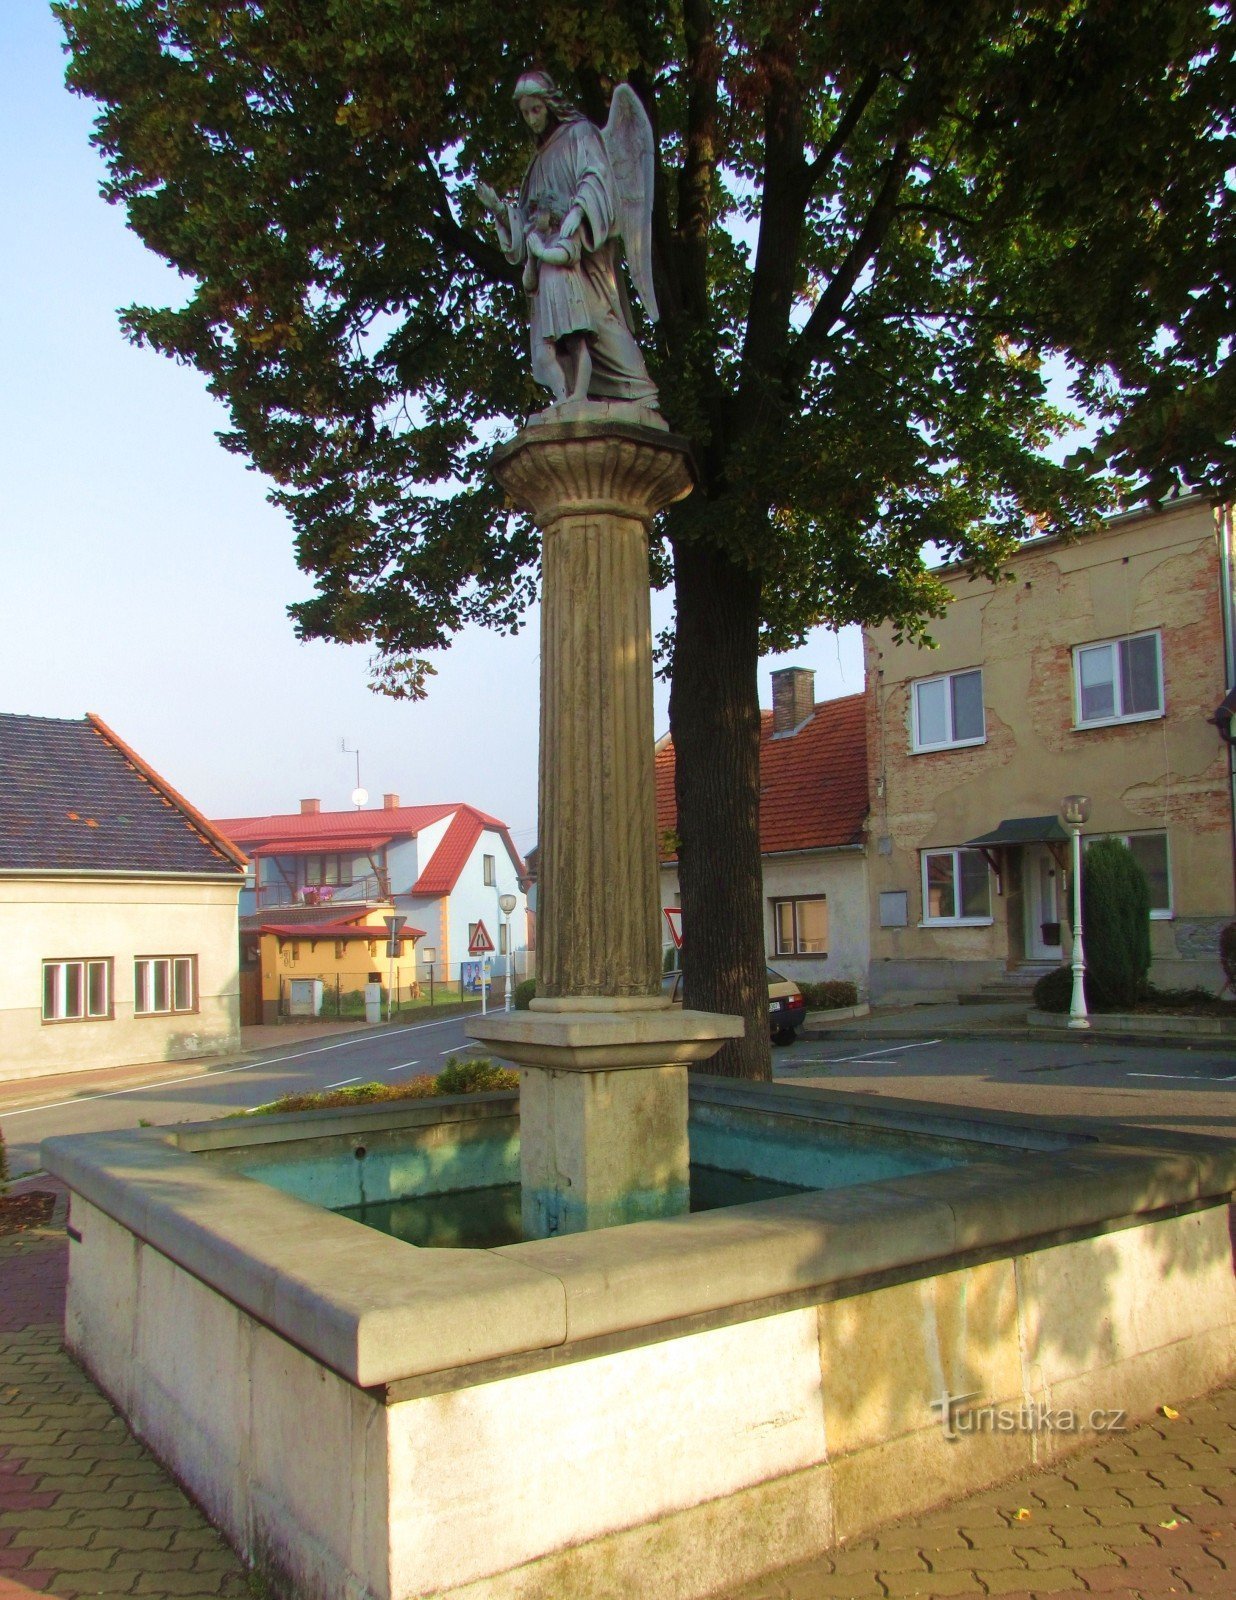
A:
[603,1103]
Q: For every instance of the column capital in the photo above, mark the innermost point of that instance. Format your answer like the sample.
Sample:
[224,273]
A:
[594,467]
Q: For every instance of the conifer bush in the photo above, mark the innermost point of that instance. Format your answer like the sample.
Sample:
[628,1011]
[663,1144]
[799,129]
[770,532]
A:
[1115,922]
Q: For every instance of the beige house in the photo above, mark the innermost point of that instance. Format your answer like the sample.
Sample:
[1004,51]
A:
[1094,669]
[118,907]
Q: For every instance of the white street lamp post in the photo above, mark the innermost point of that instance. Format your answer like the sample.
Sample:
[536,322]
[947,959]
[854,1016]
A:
[1075,808]
[507,903]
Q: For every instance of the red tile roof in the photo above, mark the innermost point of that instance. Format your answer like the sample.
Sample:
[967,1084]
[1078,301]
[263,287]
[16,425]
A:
[334,826]
[813,783]
[313,832]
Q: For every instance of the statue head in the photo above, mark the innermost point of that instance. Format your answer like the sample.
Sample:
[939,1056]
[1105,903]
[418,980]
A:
[541,103]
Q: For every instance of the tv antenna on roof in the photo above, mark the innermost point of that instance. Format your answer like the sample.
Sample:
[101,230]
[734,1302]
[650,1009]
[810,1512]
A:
[359,795]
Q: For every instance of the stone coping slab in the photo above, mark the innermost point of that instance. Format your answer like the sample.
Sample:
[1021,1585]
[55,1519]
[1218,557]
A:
[377,1310]
[605,1041]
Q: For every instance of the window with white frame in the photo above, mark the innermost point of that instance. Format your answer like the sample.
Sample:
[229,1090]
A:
[956,887]
[1151,854]
[490,866]
[1120,680]
[948,711]
[800,927]
[79,990]
[164,984]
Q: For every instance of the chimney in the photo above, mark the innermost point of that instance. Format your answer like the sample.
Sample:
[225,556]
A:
[390,802]
[793,698]
[310,808]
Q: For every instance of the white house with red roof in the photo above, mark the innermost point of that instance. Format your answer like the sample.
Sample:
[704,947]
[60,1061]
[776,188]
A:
[813,831]
[444,867]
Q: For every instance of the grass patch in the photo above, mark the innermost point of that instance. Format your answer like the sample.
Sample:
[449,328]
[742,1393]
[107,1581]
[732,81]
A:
[470,1075]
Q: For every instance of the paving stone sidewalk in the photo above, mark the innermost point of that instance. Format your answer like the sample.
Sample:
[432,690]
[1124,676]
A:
[85,1511]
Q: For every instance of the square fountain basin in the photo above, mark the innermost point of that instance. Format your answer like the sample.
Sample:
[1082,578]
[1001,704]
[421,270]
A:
[660,1409]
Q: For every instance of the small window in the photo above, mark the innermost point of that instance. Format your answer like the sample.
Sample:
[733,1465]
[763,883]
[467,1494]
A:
[800,927]
[956,887]
[948,711]
[1118,681]
[1150,853]
[78,990]
[490,865]
[164,984]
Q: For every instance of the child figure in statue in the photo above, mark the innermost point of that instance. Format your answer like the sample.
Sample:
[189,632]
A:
[584,191]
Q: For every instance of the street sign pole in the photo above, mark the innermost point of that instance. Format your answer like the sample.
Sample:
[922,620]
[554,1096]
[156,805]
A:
[393,925]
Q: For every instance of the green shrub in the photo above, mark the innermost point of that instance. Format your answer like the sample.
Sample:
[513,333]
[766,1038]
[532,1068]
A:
[830,995]
[525,994]
[1227,954]
[476,1075]
[1054,991]
[1115,923]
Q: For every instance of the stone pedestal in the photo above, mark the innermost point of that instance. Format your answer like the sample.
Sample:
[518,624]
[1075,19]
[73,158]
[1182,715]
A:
[603,1100]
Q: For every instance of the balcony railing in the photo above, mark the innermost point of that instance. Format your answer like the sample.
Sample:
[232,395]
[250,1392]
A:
[376,886]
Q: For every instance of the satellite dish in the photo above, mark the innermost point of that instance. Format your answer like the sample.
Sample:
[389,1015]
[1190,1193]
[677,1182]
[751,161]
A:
[359,796]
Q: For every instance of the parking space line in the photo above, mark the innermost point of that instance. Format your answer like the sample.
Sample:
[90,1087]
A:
[888,1050]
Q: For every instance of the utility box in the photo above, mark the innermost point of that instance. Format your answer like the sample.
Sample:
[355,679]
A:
[373,1003]
[305,997]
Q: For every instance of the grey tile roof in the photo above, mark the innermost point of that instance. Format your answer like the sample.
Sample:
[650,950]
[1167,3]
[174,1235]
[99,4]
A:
[74,798]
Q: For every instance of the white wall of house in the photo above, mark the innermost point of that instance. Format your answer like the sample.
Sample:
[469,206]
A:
[840,876]
[473,900]
[117,920]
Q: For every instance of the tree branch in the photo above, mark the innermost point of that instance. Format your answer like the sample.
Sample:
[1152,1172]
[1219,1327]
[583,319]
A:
[458,241]
[700,155]
[867,242]
[846,124]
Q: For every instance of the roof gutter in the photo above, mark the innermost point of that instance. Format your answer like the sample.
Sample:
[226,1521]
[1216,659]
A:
[126,874]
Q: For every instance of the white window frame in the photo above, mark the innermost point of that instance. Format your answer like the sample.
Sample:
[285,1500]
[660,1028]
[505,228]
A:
[489,871]
[83,966]
[794,901]
[955,851]
[1113,645]
[145,988]
[1156,914]
[919,746]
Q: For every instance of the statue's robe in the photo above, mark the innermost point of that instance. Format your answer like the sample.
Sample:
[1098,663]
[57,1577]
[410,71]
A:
[586,295]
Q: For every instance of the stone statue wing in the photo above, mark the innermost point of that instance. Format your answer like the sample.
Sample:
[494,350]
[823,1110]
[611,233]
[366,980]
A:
[628,144]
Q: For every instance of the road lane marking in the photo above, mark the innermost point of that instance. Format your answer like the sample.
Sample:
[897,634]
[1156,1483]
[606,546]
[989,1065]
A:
[343,1082]
[401,1065]
[227,1072]
[1183,1077]
[888,1050]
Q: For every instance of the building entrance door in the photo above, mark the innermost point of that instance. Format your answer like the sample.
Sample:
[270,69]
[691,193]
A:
[1044,904]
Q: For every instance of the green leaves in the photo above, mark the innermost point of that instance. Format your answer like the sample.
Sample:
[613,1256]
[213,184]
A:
[876,222]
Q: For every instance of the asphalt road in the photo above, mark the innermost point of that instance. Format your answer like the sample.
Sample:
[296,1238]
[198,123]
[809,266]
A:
[391,1053]
[1190,1088]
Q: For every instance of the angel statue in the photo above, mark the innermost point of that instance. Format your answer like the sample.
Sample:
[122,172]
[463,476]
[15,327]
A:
[585,189]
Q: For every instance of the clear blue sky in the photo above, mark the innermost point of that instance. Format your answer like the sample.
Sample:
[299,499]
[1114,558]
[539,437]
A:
[145,577]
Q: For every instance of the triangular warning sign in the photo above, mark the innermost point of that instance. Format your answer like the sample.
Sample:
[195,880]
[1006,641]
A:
[480,943]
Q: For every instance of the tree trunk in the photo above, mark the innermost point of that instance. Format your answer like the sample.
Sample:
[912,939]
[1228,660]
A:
[715,722]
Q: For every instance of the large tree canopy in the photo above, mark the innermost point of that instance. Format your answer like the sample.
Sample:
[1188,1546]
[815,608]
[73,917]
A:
[874,222]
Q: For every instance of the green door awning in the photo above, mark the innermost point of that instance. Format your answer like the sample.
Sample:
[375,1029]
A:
[1023,830]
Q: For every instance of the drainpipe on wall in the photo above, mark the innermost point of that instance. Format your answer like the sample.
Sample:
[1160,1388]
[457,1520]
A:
[1223,528]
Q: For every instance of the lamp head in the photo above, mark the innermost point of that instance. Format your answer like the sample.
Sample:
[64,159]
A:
[1075,808]
[507,903]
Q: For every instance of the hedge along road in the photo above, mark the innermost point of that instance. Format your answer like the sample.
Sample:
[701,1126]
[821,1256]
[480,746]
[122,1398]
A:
[387,1054]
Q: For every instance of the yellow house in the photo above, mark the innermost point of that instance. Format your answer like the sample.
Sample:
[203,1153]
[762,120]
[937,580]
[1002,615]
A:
[1095,669]
[303,960]
[118,907]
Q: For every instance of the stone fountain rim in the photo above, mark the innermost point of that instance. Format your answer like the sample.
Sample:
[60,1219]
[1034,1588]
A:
[391,1313]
